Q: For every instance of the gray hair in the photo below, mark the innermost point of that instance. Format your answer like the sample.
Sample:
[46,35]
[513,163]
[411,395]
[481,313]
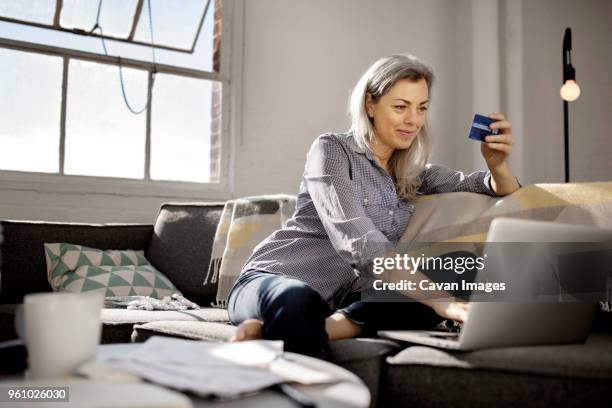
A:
[407,164]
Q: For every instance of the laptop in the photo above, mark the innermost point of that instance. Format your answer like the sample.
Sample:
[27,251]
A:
[512,324]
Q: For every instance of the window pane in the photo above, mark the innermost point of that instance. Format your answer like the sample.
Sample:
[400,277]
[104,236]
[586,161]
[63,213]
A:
[30,106]
[172,26]
[116,16]
[103,138]
[36,11]
[181,128]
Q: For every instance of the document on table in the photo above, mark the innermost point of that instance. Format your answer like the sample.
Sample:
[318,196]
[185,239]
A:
[205,368]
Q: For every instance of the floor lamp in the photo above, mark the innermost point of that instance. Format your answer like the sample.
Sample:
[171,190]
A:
[570,91]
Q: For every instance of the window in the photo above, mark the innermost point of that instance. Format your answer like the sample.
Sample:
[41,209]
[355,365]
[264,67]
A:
[178,152]
[115,16]
[34,11]
[30,131]
[103,138]
[113,90]
[172,28]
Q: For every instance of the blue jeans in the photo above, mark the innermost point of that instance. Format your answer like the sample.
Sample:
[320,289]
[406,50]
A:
[294,312]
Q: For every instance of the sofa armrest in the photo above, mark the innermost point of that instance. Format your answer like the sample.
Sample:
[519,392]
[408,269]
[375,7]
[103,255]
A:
[23,268]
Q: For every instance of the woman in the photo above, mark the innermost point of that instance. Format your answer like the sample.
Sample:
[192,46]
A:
[357,192]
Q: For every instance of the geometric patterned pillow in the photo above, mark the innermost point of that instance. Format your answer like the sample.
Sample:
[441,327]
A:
[129,280]
[77,268]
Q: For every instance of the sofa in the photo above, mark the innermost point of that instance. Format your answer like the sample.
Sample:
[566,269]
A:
[179,245]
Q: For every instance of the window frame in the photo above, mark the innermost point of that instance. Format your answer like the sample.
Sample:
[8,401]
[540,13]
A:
[230,67]
[56,26]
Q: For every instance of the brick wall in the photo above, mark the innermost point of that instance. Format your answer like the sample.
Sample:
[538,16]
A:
[215,131]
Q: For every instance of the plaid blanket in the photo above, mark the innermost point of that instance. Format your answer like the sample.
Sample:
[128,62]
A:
[244,223]
[441,218]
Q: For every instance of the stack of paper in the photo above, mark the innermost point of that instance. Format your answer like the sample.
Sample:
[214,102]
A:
[205,368]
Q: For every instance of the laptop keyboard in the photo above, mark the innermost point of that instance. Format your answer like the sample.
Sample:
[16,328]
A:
[449,326]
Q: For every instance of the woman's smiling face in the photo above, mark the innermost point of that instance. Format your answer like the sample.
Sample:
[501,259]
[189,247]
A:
[399,115]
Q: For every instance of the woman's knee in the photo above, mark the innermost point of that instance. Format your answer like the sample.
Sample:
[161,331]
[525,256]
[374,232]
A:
[292,297]
[243,300]
[294,312]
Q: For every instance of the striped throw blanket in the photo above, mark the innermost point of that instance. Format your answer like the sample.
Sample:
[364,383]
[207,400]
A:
[244,223]
[464,218]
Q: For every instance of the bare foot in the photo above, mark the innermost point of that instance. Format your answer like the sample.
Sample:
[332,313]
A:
[339,327]
[248,330]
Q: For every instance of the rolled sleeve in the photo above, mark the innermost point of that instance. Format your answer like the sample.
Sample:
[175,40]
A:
[352,234]
[437,179]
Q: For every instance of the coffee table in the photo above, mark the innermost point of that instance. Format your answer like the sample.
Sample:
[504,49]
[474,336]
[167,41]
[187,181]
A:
[349,391]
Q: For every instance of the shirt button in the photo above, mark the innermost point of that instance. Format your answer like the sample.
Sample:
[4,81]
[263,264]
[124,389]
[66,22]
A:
[391,212]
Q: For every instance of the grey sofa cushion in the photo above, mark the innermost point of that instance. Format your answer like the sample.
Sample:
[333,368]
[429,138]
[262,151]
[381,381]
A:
[181,245]
[119,323]
[565,375]
[23,256]
[123,316]
[213,331]
[366,358]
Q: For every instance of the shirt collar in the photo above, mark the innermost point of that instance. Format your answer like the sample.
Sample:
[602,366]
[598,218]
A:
[350,140]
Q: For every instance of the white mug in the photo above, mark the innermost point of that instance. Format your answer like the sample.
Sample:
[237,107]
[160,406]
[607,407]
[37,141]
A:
[61,331]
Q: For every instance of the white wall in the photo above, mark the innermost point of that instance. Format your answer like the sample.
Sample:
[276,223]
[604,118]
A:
[589,116]
[33,205]
[301,58]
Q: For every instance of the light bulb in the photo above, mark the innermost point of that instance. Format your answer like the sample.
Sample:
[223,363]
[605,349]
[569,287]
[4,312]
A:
[570,91]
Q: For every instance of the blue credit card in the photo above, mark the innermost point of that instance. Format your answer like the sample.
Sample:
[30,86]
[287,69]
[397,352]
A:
[480,128]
